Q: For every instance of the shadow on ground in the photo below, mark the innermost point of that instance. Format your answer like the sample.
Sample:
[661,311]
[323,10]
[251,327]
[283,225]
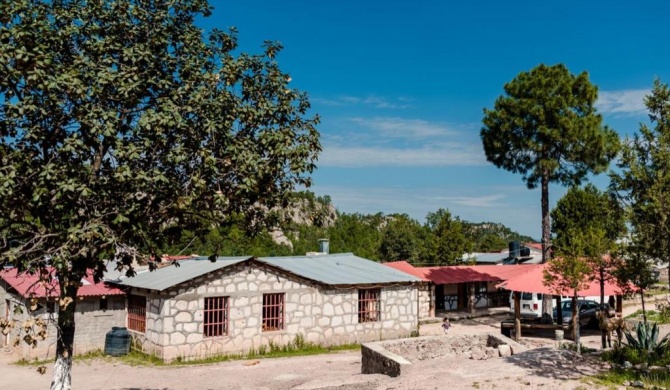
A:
[560,364]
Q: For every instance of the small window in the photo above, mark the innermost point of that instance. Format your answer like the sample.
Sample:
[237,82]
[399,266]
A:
[137,313]
[273,312]
[216,317]
[526,296]
[103,303]
[369,305]
[539,296]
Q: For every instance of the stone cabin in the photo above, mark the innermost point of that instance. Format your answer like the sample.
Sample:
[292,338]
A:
[99,308]
[237,304]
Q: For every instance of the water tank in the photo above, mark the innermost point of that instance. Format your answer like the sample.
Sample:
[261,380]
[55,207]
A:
[514,247]
[525,251]
[117,341]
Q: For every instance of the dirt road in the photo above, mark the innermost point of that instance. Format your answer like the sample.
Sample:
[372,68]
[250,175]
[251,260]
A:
[545,367]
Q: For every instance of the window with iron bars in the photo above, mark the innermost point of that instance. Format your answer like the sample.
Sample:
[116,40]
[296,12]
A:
[273,312]
[216,317]
[369,305]
[137,313]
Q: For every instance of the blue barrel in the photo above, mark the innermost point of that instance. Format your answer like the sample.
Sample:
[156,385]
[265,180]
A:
[117,341]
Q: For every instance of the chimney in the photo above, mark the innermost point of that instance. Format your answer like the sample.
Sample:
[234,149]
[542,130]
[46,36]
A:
[324,245]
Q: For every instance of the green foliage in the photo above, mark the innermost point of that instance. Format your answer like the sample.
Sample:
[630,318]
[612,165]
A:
[585,208]
[546,128]
[450,241]
[491,236]
[122,125]
[644,178]
[400,240]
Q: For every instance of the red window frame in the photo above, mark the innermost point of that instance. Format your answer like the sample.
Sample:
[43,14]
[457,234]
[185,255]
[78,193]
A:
[216,317]
[273,312]
[137,313]
[369,305]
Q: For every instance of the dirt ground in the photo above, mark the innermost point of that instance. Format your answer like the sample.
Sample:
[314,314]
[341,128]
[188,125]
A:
[543,367]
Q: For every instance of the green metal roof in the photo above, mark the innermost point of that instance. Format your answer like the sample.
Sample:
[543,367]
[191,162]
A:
[339,269]
[335,269]
[166,277]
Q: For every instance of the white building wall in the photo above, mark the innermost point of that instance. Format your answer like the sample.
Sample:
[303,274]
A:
[322,316]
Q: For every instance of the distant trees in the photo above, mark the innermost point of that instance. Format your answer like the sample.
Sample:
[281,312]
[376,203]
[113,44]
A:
[400,240]
[546,128]
[450,241]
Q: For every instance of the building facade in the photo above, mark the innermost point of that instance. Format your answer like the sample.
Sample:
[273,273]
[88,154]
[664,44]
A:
[236,305]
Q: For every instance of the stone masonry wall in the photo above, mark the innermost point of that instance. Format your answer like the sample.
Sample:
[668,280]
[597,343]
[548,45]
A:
[324,316]
[92,324]
[425,301]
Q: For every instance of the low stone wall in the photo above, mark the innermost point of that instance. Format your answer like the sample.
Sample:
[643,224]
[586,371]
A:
[394,358]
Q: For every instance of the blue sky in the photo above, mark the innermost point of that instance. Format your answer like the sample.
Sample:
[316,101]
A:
[401,85]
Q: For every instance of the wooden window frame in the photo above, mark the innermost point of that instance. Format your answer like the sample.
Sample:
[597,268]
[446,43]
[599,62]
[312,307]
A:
[274,312]
[369,305]
[216,315]
[137,313]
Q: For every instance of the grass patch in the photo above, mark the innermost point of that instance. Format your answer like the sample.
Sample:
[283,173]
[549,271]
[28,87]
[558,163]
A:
[652,316]
[573,347]
[298,347]
[618,377]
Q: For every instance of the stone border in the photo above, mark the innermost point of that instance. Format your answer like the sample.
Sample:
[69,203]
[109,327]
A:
[376,359]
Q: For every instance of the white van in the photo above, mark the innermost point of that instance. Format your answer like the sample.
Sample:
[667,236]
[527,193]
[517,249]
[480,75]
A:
[531,304]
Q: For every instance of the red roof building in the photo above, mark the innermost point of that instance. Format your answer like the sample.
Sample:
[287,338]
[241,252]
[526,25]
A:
[29,285]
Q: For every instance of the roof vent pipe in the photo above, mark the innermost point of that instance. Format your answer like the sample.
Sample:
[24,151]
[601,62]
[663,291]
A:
[324,245]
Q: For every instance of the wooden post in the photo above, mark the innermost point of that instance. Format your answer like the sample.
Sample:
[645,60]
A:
[471,298]
[619,305]
[559,310]
[517,315]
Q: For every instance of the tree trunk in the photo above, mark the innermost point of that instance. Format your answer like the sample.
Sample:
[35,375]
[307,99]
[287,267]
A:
[644,311]
[517,316]
[547,311]
[603,336]
[602,284]
[471,298]
[559,310]
[62,379]
[575,323]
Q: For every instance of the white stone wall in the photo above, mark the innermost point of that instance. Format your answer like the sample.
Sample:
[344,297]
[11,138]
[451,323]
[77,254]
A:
[92,324]
[323,316]
[426,297]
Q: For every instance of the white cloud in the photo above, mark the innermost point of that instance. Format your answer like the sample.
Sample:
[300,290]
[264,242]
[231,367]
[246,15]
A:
[624,102]
[446,154]
[404,128]
[369,101]
[473,201]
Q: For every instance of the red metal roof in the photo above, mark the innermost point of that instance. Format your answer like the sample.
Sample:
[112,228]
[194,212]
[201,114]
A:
[28,285]
[463,273]
[533,281]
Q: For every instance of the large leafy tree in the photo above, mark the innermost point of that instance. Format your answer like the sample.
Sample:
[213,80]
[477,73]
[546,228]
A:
[584,209]
[644,178]
[546,128]
[121,124]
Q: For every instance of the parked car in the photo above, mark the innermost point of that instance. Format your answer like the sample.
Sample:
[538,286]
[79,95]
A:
[587,312]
